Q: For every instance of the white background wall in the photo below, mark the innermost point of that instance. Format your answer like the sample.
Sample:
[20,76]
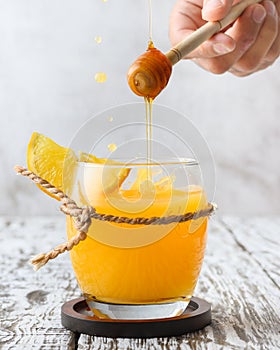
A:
[48,59]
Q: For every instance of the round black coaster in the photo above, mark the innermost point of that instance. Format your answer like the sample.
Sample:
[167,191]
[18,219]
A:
[76,316]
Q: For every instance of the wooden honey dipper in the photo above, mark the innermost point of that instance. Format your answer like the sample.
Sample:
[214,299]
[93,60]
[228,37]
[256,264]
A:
[150,73]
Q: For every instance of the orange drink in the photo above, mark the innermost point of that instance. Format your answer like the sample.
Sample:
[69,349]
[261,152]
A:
[137,270]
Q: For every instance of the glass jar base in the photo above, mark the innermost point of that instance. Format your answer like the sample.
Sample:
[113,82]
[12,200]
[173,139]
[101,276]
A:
[137,311]
[76,316]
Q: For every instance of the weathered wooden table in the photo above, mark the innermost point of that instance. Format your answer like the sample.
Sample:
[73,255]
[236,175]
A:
[240,277]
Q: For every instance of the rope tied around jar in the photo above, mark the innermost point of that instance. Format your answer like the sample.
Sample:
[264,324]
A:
[83,218]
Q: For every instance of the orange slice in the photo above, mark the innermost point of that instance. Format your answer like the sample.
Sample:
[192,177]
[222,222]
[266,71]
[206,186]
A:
[51,161]
[106,177]
[90,158]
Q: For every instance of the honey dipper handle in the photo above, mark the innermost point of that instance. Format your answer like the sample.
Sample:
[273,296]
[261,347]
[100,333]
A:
[206,32]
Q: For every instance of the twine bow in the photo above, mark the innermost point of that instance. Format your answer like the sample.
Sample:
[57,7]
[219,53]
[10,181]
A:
[83,217]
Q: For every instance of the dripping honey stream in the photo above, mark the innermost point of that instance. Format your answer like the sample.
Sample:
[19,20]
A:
[149,105]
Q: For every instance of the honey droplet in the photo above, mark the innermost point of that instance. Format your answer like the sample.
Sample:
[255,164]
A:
[151,45]
[110,118]
[104,0]
[98,39]
[100,77]
[112,147]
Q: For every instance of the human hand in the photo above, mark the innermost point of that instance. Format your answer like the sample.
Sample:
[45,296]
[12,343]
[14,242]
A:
[251,44]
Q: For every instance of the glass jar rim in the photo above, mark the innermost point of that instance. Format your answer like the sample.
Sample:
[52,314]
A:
[140,162]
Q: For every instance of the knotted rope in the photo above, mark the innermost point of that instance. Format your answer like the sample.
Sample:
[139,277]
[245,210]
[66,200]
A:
[84,215]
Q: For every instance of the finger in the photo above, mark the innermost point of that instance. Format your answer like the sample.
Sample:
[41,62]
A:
[214,10]
[219,44]
[274,51]
[255,55]
[184,19]
[244,32]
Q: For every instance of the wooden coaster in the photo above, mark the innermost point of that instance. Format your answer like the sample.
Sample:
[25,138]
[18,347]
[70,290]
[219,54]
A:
[77,317]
